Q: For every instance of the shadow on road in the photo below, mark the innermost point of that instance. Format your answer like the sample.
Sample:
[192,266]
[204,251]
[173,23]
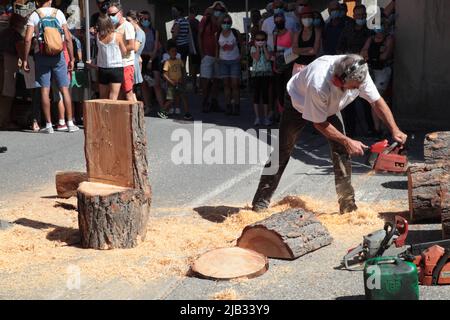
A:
[396,185]
[216,214]
[69,236]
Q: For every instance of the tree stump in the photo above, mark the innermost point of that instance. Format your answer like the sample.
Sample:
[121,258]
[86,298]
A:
[112,217]
[67,183]
[425,190]
[114,205]
[437,147]
[286,235]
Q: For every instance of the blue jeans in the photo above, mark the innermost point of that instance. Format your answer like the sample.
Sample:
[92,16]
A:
[230,69]
[48,67]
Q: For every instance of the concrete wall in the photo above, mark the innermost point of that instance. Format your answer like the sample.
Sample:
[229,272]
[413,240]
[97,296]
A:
[422,62]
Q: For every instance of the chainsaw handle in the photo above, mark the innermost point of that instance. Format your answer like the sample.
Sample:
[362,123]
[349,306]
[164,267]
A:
[402,226]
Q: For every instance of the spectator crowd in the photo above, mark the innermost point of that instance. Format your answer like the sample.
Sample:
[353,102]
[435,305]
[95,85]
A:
[44,60]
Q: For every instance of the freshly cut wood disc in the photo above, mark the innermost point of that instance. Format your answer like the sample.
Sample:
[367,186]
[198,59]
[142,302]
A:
[230,263]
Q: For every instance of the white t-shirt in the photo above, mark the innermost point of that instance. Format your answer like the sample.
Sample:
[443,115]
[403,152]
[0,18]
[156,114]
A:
[130,34]
[34,20]
[313,94]
[229,49]
[268,27]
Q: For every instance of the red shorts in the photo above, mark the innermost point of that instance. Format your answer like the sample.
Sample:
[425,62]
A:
[128,81]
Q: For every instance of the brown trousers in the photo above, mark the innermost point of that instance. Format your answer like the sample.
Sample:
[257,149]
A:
[292,123]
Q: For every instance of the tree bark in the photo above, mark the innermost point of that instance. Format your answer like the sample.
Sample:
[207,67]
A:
[67,183]
[286,235]
[437,147]
[112,217]
[425,190]
[445,205]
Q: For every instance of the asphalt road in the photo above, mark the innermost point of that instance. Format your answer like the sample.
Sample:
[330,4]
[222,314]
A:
[32,160]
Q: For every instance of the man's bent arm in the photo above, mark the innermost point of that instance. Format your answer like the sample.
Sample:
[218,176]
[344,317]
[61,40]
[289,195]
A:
[331,133]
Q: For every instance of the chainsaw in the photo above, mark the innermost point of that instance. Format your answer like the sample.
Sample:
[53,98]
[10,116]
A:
[385,157]
[431,258]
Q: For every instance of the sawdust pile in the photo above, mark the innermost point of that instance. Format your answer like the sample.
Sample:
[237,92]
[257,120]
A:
[227,294]
[44,240]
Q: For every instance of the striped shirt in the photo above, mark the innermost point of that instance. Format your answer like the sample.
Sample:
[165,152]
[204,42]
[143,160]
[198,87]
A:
[183,33]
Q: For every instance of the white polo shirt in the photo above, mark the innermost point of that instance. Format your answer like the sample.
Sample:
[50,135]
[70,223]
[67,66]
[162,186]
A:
[130,34]
[313,94]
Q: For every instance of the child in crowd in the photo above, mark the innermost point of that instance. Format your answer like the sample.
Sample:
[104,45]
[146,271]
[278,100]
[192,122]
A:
[174,73]
[261,73]
[111,49]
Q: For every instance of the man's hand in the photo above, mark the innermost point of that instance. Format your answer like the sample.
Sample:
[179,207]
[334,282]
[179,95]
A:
[355,148]
[71,66]
[399,136]
[25,66]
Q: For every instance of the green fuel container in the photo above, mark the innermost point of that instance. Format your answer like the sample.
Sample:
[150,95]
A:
[390,278]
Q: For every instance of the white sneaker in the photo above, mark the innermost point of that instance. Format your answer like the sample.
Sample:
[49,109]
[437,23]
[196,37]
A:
[73,128]
[47,130]
[267,122]
[257,122]
[177,111]
[171,111]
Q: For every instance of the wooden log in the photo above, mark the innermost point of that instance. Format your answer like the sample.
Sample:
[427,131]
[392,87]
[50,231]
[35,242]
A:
[425,191]
[437,147]
[286,235]
[116,143]
[445,207]
[112,217]
[230,263]
[67,183]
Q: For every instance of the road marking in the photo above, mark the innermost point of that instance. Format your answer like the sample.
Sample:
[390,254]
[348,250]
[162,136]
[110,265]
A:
[224,187]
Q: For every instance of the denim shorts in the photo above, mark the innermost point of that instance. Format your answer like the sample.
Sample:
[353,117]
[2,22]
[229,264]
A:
[230,69]
[48,67]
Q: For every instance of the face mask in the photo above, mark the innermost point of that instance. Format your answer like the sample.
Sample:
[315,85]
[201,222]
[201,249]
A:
[361,22]
[260,43]
[226,26]
[317,22]
[307,22]
[114,19]
[218,13]
[334,14]
[278,10]
[145,23]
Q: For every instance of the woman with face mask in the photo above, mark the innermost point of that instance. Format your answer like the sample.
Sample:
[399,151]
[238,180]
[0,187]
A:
[151,63]
[229,53]
[306,42]
[378,52]
[283,41]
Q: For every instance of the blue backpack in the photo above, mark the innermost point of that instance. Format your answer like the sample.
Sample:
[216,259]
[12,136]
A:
[50,34]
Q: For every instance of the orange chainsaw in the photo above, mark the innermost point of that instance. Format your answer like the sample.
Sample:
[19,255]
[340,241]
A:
[390,158]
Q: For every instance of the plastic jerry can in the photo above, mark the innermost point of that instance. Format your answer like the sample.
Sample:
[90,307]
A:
[390,278]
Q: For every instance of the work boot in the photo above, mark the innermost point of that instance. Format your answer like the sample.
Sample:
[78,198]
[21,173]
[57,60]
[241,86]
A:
[236,109]
[229,110]
[347,207]
[260,206]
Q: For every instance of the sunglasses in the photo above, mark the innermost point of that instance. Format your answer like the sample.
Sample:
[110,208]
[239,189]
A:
[113,14]
[260,39]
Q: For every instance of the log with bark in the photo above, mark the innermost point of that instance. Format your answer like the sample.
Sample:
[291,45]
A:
[445,206]
[67,183]
[116,143]
[426,192]
[286,235]
[437,147]
[112,217]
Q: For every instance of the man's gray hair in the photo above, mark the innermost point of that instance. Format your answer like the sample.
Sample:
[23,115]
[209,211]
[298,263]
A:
[116,4]
[352,67]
